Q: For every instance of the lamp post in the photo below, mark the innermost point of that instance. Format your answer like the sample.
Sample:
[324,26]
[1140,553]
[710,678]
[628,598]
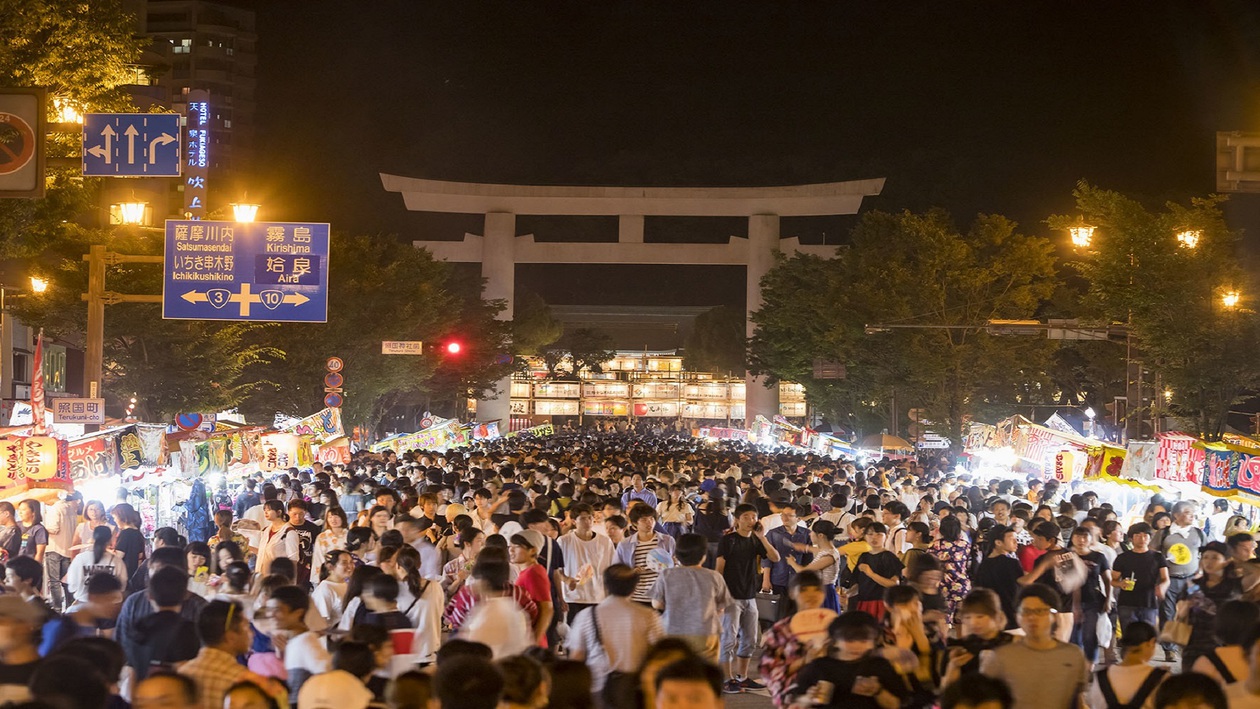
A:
[97,297]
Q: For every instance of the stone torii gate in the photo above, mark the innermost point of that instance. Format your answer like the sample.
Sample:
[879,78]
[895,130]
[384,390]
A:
[499,248]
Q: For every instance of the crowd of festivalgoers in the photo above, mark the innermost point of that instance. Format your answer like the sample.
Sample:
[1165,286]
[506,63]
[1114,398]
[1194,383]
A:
[617,571]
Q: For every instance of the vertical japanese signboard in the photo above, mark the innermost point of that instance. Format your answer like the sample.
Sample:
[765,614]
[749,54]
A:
[196,154]
[257,271]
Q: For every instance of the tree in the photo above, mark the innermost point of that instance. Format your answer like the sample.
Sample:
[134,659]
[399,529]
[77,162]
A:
[1170,294]
[581,349]
[717,342]
[82,53]
[912,269]
[533,326]
[383,289]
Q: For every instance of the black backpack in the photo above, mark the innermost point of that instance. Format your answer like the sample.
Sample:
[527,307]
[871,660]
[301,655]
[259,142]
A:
[1139,698]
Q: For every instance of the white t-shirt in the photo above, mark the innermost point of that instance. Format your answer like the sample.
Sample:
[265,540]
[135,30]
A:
[307,652]
[327,600]
[1125,682]
[597,553]
[82,567]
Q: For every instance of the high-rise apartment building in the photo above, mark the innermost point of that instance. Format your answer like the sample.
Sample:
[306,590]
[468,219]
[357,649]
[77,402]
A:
[212,48]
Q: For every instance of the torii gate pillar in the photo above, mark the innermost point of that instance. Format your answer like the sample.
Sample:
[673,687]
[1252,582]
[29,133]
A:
[763,244]
[498,268]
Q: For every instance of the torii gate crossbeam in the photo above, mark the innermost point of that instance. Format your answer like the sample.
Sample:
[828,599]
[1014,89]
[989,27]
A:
[499,248]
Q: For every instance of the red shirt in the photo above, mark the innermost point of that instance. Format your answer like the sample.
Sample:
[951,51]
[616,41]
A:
[1028,556]
[534,582]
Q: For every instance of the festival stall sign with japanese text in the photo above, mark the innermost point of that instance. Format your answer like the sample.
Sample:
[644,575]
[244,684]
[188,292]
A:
[32,462]
[320,427]
[1231,470]
[93,458]
[1178,459]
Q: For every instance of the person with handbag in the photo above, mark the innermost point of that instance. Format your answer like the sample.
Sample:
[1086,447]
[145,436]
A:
[1196,613]
[1132,683]
[1092,598]
[1049,571]
[613,637]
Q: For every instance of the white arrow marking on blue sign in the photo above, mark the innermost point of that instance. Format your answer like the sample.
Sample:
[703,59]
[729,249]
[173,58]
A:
[160,140]
[109,133]
[131,134]
[219,297]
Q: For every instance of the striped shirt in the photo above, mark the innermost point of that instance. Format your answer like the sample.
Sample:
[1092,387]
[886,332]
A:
[647,572]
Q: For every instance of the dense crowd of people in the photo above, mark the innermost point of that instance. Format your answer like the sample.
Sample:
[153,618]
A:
[615,570]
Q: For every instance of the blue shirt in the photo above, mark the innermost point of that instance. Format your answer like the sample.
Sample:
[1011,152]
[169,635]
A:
[782,540]
[646,496]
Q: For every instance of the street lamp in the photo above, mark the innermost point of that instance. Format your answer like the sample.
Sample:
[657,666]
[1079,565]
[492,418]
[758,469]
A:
[129,213]
[244,212]
[1231,299]
[1082,233]
[1189,238]
[38,285]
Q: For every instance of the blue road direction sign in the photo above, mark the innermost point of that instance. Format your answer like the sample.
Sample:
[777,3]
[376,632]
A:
[257,271]
[131,145]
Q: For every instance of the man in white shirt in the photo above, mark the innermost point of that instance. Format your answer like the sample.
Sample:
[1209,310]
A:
[1215,524]
[586,556]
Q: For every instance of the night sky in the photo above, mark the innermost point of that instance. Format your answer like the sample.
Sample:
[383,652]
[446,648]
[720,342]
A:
[973,106]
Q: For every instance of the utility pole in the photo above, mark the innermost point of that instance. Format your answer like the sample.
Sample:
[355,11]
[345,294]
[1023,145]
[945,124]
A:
[97,298]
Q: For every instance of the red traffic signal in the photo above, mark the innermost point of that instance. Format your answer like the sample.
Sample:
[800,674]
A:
[453,347]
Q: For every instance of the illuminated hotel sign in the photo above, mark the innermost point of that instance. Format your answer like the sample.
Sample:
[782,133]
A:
[197,155]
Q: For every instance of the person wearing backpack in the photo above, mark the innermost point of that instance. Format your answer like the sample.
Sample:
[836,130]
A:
[1132,683]
[166,638]
[1179,544]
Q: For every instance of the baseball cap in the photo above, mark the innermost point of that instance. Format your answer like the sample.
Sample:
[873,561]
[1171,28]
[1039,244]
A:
[534,537]
[12,606]
[334,690]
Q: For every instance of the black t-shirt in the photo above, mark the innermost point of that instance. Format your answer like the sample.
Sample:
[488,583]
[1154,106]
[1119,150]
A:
[131,545]
[843,673]
[974,644]
[1000,574]
[884,563]
[11,541]
[742,569]
[14,680]
[1092,598]
[1048,578]
[307,531]
[1144,570]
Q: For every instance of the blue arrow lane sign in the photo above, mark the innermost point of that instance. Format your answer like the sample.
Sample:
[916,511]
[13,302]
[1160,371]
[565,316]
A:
[131,145]
[257,271]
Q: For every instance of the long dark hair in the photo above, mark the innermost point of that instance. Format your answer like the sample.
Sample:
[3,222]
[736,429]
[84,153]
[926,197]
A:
[358,579]
[101,537]
[408,559]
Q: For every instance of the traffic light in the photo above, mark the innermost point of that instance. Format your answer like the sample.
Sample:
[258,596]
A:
[452,347]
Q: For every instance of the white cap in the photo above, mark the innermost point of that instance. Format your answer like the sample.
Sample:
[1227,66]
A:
[334,690]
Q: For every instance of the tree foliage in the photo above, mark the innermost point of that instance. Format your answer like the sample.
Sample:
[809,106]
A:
[533,325]
[1171,295]
[580,349]
[717,342]
[81,53]
[911,269]
[383,289]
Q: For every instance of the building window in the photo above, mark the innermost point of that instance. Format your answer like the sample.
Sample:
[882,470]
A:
[229,51]
[227,123]
[22,367]
[183,47]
